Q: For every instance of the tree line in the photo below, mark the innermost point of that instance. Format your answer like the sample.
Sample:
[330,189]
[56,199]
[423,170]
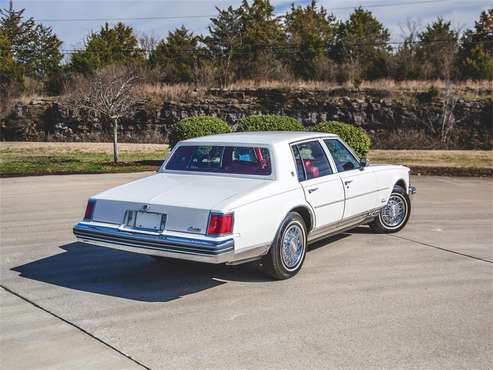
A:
[251,42]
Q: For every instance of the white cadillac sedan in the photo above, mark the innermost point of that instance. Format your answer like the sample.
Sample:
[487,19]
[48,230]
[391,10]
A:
[240,197]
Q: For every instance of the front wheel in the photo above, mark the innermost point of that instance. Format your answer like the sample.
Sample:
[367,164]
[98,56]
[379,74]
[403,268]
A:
[287,254]
[394,216]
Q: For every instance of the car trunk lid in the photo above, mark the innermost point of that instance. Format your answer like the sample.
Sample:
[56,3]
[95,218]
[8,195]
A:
[186,200]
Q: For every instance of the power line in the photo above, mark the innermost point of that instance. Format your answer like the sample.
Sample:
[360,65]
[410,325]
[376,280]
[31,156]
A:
[286,49]
[124,19]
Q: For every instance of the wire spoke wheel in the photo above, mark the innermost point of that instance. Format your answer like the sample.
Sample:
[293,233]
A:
[293,246]
[288,250]
[395,212]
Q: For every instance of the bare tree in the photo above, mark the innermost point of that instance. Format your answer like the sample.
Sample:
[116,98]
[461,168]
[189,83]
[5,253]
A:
[450,100]
[407,66]
[148,43]
[109,95]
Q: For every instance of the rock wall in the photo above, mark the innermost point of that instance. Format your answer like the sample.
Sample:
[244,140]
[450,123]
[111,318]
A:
[405,120]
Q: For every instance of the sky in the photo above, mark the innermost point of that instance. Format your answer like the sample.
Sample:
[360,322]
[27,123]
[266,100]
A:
[195,14]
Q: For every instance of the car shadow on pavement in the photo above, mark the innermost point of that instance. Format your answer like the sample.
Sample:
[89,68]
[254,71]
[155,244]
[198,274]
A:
[140,277]
[132,276]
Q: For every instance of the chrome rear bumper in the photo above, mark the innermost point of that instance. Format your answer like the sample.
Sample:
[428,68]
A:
[192,249]
[157,245]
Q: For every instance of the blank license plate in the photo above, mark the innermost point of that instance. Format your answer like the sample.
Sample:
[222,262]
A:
[146,220]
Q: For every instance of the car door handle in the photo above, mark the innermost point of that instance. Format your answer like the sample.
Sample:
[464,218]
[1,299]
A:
[347,182]
[312,190]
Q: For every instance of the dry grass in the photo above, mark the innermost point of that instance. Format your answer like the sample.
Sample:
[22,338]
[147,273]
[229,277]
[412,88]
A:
[186,92]
[160,92]
[36,158]
[385,84]
[61,148]
[21,159]
[435,158]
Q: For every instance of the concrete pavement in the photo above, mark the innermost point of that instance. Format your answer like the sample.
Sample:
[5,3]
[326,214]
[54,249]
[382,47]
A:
[419,299]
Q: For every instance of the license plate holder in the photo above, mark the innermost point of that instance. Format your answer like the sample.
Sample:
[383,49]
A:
[145,221]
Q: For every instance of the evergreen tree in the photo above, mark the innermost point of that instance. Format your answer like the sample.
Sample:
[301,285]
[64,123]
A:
[111,45]
[262,38]
[310,33]
[35,48]
[9,72]
[224,39]
[363,41]
[476,52]
[437,50]
[178,57]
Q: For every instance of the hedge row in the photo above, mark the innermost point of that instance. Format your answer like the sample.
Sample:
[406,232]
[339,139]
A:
[191,127]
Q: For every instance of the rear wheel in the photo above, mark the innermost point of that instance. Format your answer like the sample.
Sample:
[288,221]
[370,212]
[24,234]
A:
[394,216]
[287,254]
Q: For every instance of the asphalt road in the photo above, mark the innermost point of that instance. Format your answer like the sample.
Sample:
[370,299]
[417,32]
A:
[422,298]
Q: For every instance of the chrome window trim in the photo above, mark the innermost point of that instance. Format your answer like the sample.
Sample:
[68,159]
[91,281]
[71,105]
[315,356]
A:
[358,159]
[291,145]
[273,175]
[295,166]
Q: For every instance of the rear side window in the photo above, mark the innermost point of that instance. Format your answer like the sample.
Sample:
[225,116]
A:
[221,159]
[313,159]
[343,158]
[299,164]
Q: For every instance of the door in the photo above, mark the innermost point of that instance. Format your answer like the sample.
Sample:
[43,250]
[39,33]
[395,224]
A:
[323,188]
[360,184]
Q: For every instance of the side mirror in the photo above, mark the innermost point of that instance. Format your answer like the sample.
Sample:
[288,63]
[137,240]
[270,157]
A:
[364,162]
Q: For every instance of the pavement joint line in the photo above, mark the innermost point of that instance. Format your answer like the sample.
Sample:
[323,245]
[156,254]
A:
[75,326]
[442,249]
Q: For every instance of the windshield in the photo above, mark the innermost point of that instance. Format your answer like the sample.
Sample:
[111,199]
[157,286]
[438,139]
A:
[242,160]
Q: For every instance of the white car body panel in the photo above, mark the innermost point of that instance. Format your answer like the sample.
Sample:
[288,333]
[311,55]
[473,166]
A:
[360,191]
[259,203]
[327,210]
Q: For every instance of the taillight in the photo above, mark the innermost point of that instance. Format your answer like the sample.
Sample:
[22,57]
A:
[220,224]
[89,209]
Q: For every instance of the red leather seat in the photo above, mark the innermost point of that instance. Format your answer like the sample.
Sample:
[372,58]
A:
[312,171]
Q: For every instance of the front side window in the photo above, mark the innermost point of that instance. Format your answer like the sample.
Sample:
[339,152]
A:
[313,159]
[221,159]
[343,158]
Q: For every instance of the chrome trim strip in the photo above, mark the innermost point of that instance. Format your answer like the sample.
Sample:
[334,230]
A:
[329,204]
[169,246]
[170,243]
[157,247]
[367,193]
[161,252]
[335,227]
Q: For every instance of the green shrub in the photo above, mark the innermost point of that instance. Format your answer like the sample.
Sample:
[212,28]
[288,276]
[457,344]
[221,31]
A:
[196,126]
[354,136]
[269,122]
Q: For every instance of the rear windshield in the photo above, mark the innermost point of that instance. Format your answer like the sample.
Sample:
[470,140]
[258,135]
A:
[242,160]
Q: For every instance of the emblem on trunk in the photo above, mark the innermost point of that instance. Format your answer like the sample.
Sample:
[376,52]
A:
[192,228]
[145,207]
